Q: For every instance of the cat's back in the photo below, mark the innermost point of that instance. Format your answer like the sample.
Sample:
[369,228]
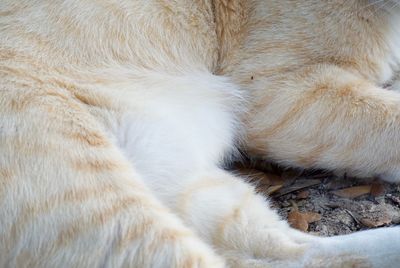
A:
[115,64]
[294,34]
[94,34]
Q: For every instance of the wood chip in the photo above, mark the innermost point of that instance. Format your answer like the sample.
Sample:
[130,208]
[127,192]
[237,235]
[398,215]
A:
[298,185]
[353,192]
[272,189]
[290,176]
[332,205]
[354,216]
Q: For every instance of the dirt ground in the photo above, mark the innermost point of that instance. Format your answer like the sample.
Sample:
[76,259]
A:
[322,203]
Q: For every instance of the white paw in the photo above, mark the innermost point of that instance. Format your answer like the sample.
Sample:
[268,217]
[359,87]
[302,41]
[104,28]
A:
[373,248]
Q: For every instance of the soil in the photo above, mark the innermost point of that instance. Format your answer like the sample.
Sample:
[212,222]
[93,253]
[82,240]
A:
[322,203]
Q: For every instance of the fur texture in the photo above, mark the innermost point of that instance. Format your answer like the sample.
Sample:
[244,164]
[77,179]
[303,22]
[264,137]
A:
[116,117]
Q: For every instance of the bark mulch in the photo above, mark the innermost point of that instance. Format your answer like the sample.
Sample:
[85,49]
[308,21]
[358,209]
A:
[322,203]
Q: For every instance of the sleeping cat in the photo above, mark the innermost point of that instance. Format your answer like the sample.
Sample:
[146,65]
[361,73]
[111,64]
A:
[117,115]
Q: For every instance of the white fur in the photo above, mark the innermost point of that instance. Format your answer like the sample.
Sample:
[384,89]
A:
[176,141]
[146,70]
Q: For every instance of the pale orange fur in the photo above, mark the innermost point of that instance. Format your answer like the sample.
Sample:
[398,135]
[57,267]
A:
[116,115]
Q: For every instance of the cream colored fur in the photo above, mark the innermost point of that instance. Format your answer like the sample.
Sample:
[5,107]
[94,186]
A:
[116,117]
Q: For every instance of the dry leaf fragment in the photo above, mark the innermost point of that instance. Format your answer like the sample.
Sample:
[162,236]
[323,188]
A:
[353,192]
[303,194]
[301,220]
[312,217]
[377,189]
[296,220]
[373,223]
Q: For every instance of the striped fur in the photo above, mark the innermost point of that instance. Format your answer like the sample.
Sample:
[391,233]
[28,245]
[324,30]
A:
[116,115]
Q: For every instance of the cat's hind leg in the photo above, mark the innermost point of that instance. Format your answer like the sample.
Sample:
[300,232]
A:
[227,213]
[176,141]
[182,139]
[326,117]
[69,198]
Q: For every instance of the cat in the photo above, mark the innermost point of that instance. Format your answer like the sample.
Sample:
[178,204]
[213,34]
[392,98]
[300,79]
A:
[117,117]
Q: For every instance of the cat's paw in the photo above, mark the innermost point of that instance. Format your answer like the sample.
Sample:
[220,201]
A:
[372,248]
[165,244]
[268,250]
[189,252]
[338,261]
[261,263]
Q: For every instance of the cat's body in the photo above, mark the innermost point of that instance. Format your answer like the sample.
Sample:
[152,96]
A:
[114,124]
[326,61]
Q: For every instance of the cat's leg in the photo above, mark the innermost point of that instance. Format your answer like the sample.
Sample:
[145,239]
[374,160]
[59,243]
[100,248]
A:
[183,136]
[326,117]
[69,198]
[227,213]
